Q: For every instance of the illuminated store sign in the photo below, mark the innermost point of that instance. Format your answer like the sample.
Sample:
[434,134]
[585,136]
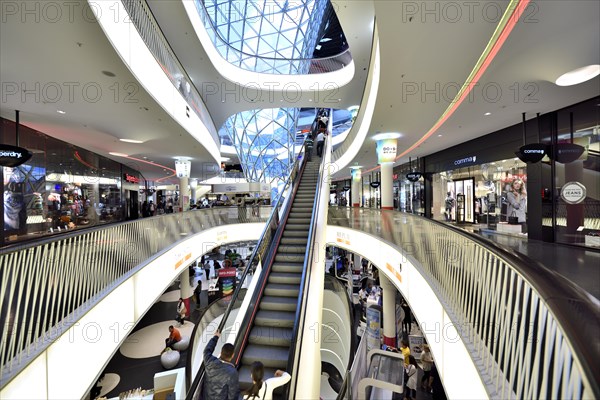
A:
[532,153]
[13,156]
[131,178]
[414,176]
[466,160]
[356,174]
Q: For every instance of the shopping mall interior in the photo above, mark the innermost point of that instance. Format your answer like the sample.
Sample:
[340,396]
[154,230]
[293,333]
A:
[310,199]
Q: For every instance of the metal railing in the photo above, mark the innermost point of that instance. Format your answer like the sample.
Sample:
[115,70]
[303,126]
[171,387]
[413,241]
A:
[258,255]
[142,18]
[534,334]
[272,64]
[47,285]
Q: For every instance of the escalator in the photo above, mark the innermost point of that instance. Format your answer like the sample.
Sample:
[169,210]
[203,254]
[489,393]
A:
[271,333]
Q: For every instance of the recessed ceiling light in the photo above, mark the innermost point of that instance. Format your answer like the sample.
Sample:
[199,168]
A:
[309,99]
[112,153]
[108,73]
[440,135]
[145,158]
[487,113]
[131,141]
[579,75]
[61,111]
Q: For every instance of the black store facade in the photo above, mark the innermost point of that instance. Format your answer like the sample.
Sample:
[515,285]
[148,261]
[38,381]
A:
[61,188]
[475,182]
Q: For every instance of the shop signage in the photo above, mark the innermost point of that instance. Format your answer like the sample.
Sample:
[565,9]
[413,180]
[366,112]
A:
[532,153]
[466,160]
[386,150]
[568,152]
[183,168]
[131,178]
[13,156]
[375,185]
[356,174]
[346,188]
[573,193]
[414,176]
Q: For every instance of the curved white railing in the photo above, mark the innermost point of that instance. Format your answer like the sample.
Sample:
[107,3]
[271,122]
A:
[502,323]
[48,285]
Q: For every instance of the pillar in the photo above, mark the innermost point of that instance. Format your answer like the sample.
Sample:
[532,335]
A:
[185,289]
[356,189]
[183,167]
[387,186]
[387,144]
[389,310]
[184,194]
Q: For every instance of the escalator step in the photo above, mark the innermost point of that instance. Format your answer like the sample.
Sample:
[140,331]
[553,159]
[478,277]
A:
[291,248]
[292,240]
[297,227]
[282,289]
[283,277]
[281,319]
[295,234]
[270,356]
[285,257]
[277,303]
[298,214]
[289,267]
[271,336]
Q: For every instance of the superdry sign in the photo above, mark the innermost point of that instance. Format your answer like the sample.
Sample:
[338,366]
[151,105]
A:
[13,156]
[414,176]
[532,153]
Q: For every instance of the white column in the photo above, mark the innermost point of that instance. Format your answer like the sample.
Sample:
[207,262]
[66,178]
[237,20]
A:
[356,182]
[387,186]
[184,194]
[389,310]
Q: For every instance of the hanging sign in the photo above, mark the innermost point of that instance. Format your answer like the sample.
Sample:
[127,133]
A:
[568,152]
[573,193]
[532,153]
[414,176]
[13,156]
[375,185]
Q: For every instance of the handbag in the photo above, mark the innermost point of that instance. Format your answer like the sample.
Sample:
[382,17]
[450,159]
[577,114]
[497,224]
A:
[513,219]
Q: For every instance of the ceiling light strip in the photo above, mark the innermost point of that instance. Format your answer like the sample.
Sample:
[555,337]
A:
[505,26]
[156,165]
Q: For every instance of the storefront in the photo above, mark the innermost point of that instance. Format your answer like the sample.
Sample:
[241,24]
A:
[409,194]
[556,199]
[60,188]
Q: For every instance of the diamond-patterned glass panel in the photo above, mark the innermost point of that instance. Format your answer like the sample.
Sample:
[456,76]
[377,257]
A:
[264,140]
[278,30]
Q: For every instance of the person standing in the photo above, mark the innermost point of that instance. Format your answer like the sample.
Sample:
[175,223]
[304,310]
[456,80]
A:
[264,389]
[222,379]
[407,322]
[197,292]
[320,143]
[427,361]
[449,205]
[181,311]
[411,383]
[517,202]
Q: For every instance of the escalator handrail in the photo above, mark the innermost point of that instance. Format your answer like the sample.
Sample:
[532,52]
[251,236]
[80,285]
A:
[253,259]
[306,274]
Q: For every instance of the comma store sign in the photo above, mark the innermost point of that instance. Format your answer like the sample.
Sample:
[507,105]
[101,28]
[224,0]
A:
[466,160]
[13,156]
[573,193]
